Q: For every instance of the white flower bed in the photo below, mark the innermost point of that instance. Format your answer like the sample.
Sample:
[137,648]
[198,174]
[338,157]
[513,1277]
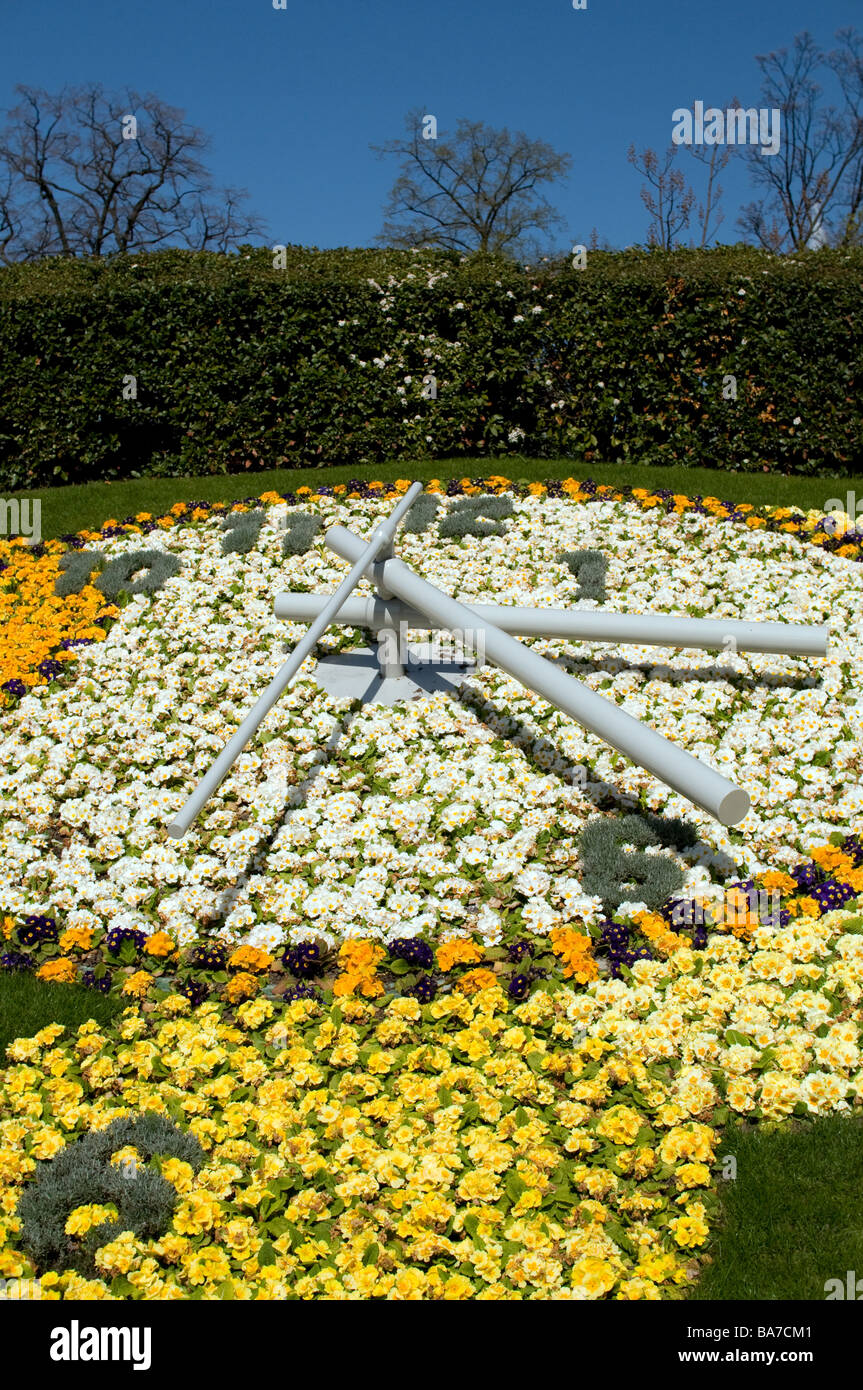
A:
[385,822]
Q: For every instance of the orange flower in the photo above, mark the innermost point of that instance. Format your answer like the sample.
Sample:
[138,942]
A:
[576,951]
[660,937]
[77,938]
[458,952]
[775,879]
[359,959]
[62,971]
[476,979]
[243,986]
[35,620]
[250,958]
[809,907]
[360,954]
[831,857]
[159,944]
[357,982]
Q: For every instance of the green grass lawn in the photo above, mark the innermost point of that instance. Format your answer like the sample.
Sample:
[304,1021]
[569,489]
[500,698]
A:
[28,1004]
[67,509]
[793,1216]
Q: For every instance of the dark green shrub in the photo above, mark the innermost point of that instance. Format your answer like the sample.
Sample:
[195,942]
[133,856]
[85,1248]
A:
[727,358]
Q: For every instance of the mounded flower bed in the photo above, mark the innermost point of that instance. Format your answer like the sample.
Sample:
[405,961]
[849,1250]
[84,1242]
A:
[454,1000]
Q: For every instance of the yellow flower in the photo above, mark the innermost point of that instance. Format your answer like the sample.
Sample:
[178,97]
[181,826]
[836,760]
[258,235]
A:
[208,1265]
[689,1231]
[138,984]
[83,1219]
[479,1186]
[119,1255]
[592,1277]
[620,1124]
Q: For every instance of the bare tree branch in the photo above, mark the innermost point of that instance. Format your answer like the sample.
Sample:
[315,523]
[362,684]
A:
[670,207]
[74,185]
[710,217]
[475,192]
[814,184]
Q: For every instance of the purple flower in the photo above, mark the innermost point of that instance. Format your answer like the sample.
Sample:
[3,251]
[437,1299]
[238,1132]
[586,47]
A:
[37,929]
[424,990]
[16,960]
[102,983]
[303,990]
[118,935]
[194,990]
[414,950]
[212,956]
[305,960]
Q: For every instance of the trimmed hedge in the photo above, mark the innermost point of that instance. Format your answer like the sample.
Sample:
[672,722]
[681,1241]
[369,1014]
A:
[349,357]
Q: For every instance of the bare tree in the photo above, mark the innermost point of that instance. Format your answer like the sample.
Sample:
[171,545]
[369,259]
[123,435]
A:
[73,182]
[474,192]
[671,205]
[710,217]
[814,184]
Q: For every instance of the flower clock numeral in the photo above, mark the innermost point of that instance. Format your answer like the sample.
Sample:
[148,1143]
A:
[82,1174]
[476,516]
[241,531]
[301,529]
[78,565]
[589,568]
[617,875]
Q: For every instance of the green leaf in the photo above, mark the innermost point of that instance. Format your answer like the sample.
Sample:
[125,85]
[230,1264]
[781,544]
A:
[372,1253]
[514,1185]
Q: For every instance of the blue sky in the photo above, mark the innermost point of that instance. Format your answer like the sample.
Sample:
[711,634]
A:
[293,98]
